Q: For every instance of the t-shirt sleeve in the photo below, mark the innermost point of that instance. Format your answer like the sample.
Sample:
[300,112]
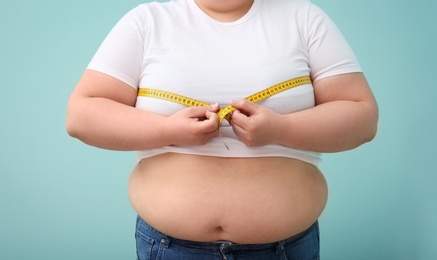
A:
[329,52]
[121,53]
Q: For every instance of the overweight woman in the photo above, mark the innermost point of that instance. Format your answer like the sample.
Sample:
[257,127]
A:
[239,184]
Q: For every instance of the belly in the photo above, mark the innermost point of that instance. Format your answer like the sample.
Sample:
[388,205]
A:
[243,200]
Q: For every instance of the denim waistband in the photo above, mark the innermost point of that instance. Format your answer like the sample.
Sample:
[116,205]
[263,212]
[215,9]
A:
[218,245]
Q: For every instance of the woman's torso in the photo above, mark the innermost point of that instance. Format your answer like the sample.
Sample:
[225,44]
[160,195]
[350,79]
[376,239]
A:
[187,54]
[244,200]
[207,198]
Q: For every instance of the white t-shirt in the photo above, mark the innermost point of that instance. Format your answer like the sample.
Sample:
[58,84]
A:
[174,46]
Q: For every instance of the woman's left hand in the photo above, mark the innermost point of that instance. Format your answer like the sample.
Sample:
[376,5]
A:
[254,124]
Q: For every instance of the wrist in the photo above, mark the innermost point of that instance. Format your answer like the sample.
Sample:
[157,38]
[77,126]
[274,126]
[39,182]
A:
[281,130]
[166,131]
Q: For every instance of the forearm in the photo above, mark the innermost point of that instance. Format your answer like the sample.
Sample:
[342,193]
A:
[329,127]
[111,125]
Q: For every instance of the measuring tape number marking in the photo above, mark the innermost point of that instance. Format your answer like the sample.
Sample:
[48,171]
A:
[224,113]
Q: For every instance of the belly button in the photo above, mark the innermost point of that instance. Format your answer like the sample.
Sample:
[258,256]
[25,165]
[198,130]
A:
[218,232]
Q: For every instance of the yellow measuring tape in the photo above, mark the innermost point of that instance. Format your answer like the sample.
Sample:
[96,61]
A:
[225,113]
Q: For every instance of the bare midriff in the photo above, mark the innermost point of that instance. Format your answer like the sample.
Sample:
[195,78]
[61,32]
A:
[242,200]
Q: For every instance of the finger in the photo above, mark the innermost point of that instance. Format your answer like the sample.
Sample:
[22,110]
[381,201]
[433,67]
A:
[214,107]
[211,115]
[211,122]
[242,134]
[198,112]
[239,119]
[245,106]
[238,129]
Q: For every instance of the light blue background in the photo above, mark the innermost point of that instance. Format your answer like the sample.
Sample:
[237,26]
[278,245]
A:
[61,199]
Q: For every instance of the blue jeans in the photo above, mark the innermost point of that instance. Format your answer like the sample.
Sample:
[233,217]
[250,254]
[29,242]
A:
[154,245]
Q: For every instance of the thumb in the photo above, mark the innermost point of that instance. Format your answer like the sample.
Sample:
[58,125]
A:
[198,112]
[245,106]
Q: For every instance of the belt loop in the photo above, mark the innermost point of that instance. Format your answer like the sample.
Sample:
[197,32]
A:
[280,247]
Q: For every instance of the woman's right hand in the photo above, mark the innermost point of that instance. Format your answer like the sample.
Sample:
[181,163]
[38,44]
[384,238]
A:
[193,125]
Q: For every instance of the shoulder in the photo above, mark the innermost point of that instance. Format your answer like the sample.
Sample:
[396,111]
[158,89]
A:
[151,13]
[287,5]
[293,7]
[293,11]
[144,16]
[159,8]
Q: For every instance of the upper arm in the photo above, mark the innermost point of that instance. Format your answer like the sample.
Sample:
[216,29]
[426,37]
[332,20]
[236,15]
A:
[115,69]
[94,84]
[346,87]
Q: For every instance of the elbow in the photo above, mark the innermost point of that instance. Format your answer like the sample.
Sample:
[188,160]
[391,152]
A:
[366,130]
[358,140]
[374,130]
[71,126]
[71,122]
[371,134]
[77,117]
[372,125]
